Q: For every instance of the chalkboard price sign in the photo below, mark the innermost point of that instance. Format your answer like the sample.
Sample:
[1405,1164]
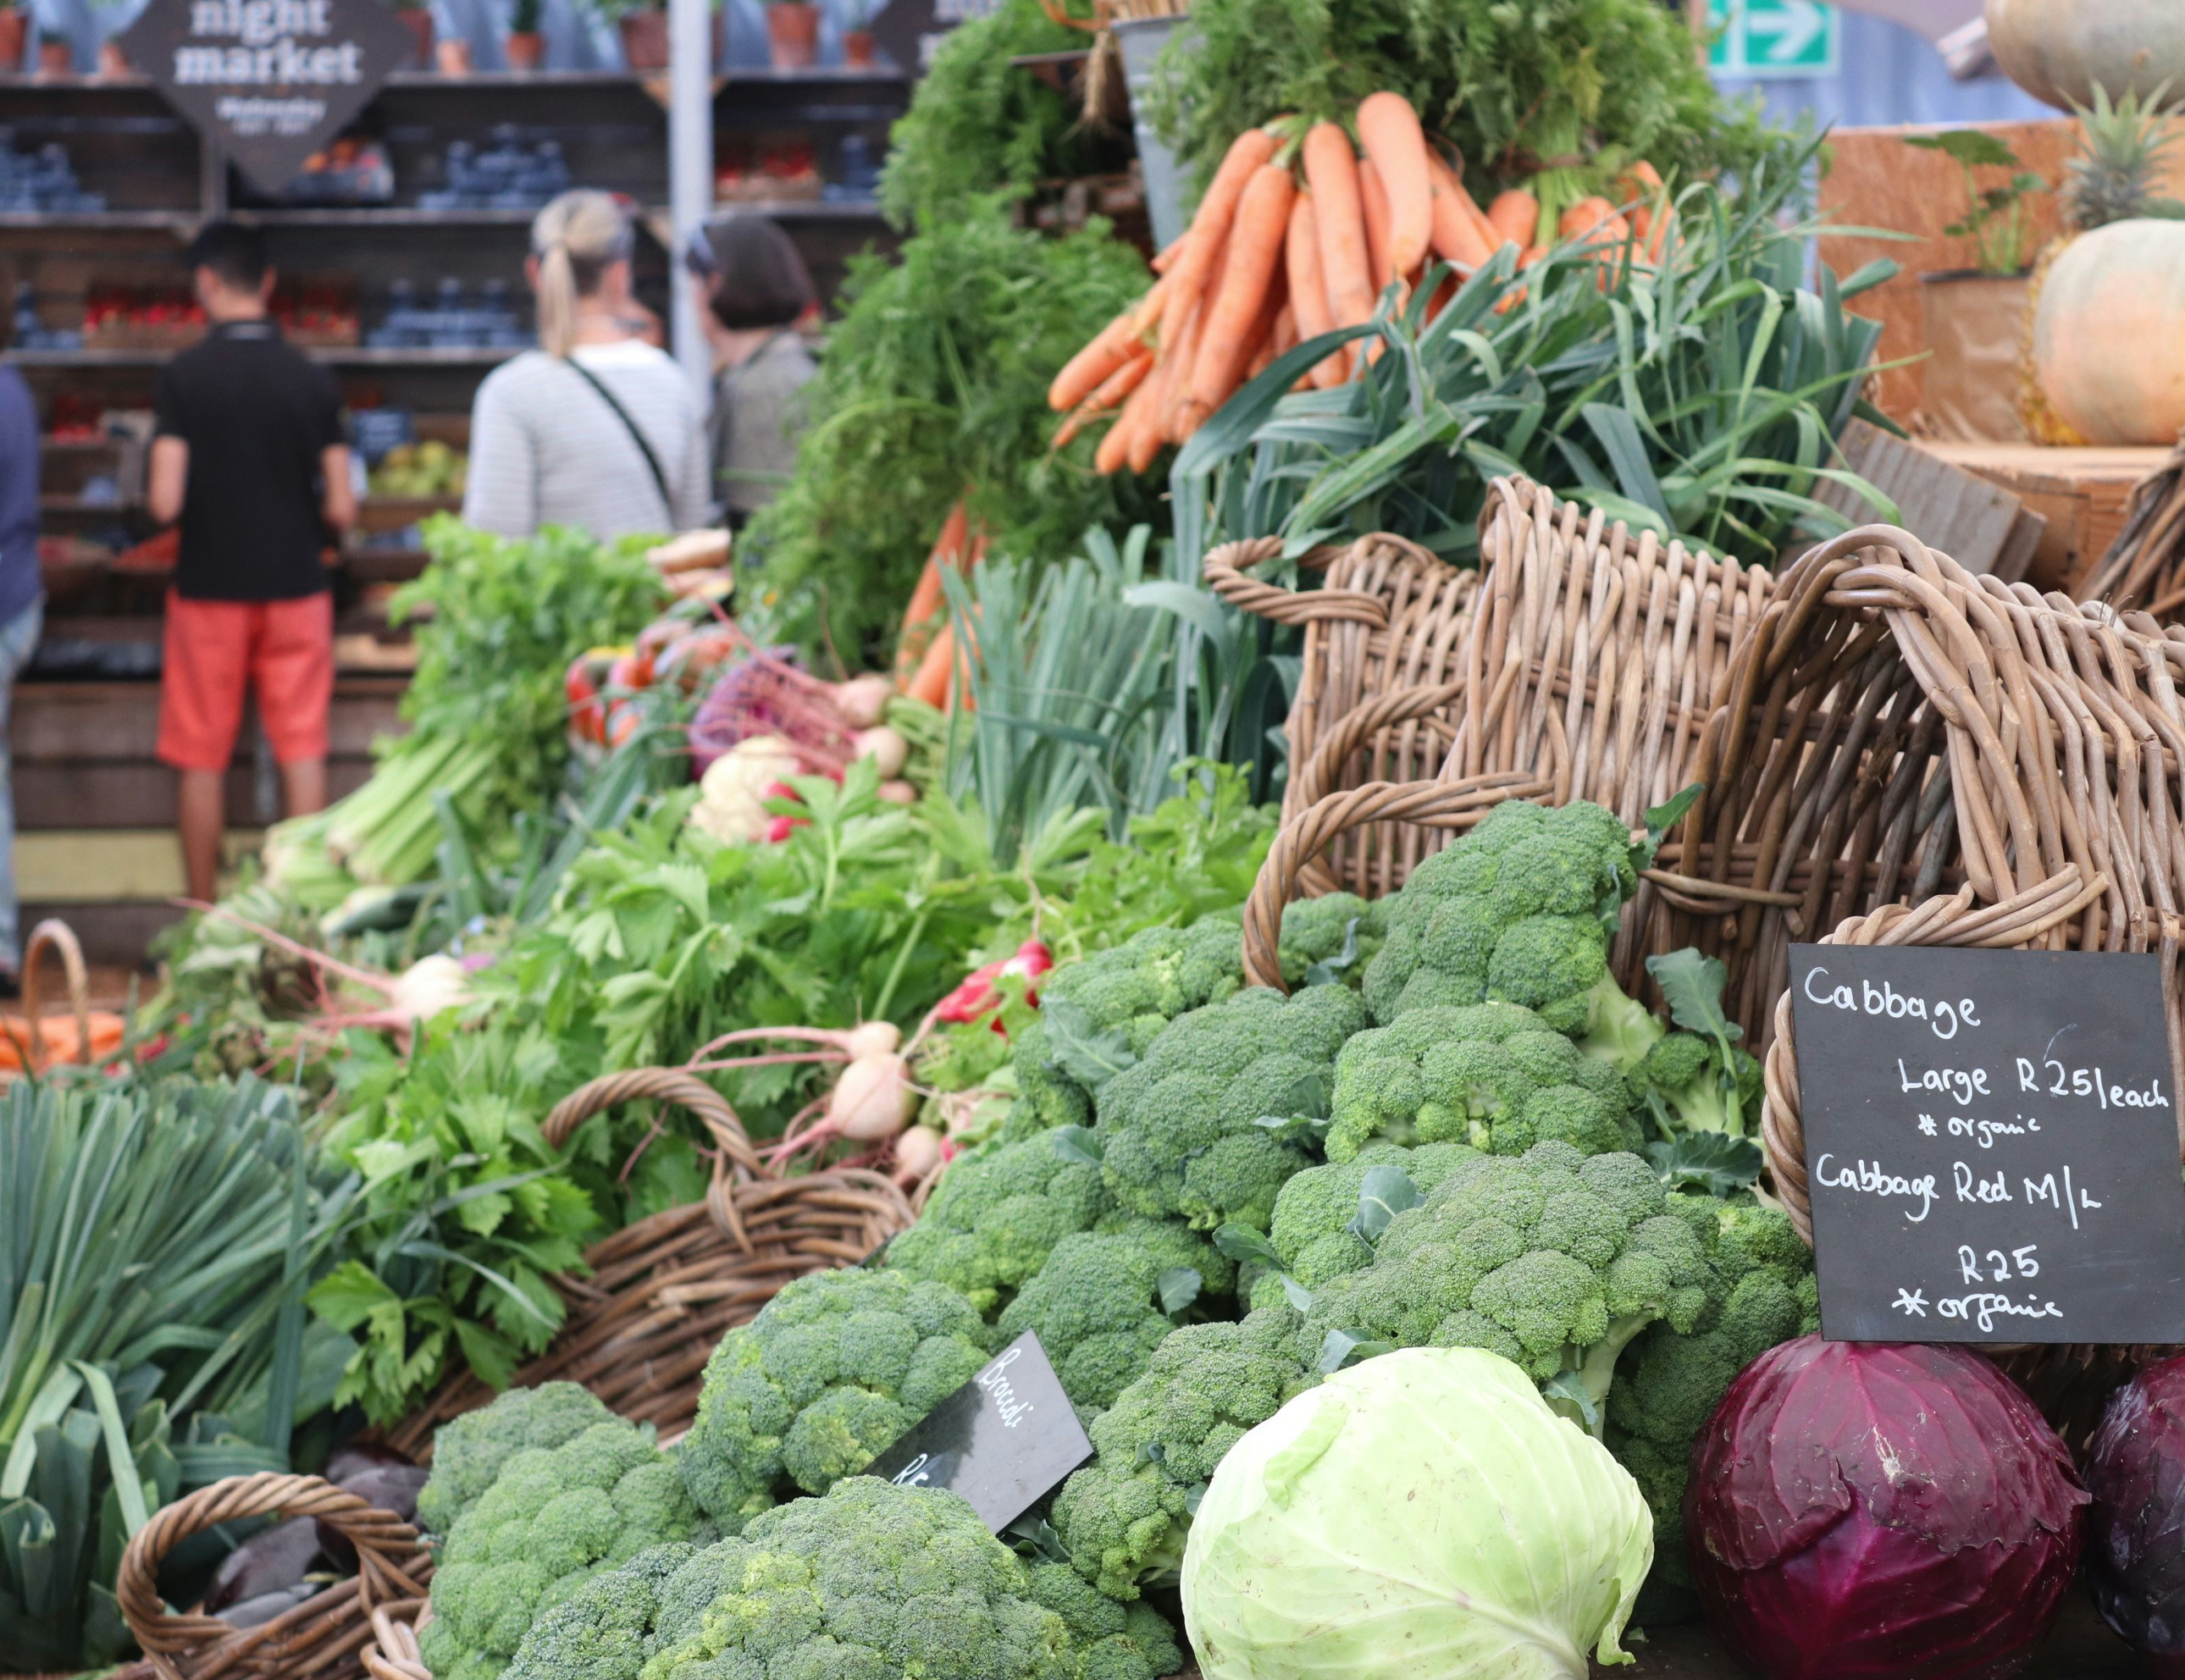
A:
[1991,1141]
[1004,1440]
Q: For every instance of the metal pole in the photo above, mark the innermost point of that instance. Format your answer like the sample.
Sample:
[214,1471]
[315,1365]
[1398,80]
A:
[690,167]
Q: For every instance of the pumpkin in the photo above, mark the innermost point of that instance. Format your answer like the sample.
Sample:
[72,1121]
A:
[2109,333]
[2059,51]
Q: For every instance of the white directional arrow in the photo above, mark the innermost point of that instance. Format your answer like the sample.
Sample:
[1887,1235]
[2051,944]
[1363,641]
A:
[1795,24]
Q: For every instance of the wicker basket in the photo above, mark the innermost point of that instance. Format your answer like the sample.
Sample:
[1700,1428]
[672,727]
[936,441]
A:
[1622,630]
[2068,1383]
[323,1637]
[661,1292]
[1390,616]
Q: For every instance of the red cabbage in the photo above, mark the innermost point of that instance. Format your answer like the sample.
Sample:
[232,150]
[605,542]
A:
[2136,1530]
[1862,1509]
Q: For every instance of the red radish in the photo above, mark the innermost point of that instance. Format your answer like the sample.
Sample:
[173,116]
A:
[863,700]
[886,747]
[977,993]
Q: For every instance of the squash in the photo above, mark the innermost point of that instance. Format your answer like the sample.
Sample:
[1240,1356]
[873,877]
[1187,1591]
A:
[2059,51]
[2109,333]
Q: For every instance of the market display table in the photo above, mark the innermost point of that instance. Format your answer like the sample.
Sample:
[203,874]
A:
[2079,1648]
[2082,493]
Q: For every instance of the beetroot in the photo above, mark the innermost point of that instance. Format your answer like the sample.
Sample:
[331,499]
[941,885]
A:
[1860,1509]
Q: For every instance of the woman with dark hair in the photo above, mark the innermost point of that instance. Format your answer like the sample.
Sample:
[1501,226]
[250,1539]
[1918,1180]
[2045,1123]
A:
[753,289]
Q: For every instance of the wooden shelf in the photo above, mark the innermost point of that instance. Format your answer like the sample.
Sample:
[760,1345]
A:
[357,356]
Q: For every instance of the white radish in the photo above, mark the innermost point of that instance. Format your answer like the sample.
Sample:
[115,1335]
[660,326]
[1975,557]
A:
[874,1100]
[872,1038]
[428,986]
[886,747]
[898,793]
[863,700]
[917,1153]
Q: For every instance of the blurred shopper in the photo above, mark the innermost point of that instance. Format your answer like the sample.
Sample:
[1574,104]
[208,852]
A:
[248,453]
[595,428]
[754,289]
[22,609]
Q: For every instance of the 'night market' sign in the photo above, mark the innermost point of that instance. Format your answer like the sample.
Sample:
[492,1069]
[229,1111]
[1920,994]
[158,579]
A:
[267,81]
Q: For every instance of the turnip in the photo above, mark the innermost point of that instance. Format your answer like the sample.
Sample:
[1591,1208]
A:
[886,747]
[863,700]
[898,793]
[920,1153]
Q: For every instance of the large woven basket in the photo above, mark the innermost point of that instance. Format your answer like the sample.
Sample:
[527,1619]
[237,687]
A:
[323,1637]
[661,1292]
[1570,620]
[2071,1383]
[1590,668]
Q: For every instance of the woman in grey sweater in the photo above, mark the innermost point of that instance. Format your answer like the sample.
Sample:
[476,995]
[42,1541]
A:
[753,289]
[595,428]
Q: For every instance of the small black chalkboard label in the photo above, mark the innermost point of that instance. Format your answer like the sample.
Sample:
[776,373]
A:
[1992,1142]
[1004,1440]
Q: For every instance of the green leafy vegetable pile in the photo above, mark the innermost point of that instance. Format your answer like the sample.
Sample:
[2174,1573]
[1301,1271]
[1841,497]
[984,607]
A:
[933,389]
[1700,399]
[1516,88]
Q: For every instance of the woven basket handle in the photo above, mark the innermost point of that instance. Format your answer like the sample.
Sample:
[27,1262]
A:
[1432,804]
[1226,566]
[385,1547]
[737,1162]
[1360,725]
[1953,920]
[58,936]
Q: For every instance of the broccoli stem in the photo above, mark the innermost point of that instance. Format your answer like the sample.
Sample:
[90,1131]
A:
[1595,1367]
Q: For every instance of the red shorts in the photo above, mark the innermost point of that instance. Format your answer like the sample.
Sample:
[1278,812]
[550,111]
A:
[216,649]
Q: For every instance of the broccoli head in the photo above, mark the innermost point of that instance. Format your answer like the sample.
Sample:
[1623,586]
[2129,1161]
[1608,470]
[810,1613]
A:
[1201,1127]
[1490,1075]
[1105,1299]
[997,1217]
[1127,993]
[1115,1641]
[554,1518]
[872,1583]
[1122,1519]
[468,1453]
[603,1630]
[1761,1291]
[1518,911]
[1319,1219]
[1696,1081]
[1329,941]
[833,1370]
[1555,1260]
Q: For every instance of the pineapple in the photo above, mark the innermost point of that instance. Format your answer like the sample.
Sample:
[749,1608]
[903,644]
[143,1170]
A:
[2111,180]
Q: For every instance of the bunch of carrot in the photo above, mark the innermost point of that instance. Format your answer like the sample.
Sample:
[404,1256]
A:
[1270,261]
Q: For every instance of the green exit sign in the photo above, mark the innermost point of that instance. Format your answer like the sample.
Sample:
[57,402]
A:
[1768,38]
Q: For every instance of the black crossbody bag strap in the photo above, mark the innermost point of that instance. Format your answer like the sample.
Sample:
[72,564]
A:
[636,436]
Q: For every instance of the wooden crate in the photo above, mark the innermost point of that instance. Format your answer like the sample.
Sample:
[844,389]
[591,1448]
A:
[2081,493]
[1873,180]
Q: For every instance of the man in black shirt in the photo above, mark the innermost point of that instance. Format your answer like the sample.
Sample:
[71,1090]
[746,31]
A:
[249,454]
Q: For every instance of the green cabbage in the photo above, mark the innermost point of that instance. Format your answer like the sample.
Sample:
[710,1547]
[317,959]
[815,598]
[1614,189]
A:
[1421,1513]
